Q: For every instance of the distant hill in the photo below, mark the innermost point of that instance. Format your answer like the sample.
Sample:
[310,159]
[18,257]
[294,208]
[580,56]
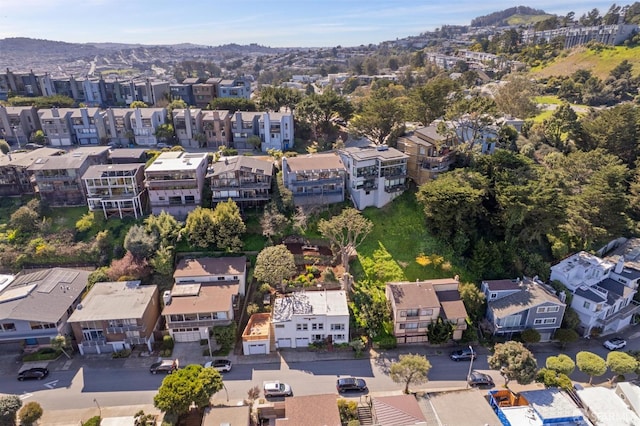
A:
[519,15]
[600,63]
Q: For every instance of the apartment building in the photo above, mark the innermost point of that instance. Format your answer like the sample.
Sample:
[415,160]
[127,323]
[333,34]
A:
[612,35]
[58,179]
[18,123]
[188,127]
[243,126]
[246,180]
[376,175]
[182,92]
[88,126]
[276,131]
[175,181]
[117,122]
[217,128]
[204,93]
[56,125]
[429,153]
[117,190]
[15,177]
[234,88]
[315,178]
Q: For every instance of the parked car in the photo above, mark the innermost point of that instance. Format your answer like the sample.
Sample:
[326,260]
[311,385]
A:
[31,146]
[463,355]
[276,388]
[477,378]
[165,366]
[33,373]
[221,365]
[615,343]
[351,384]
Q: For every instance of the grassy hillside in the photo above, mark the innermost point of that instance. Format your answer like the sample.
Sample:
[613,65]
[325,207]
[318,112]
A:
[600,63]
[519,19]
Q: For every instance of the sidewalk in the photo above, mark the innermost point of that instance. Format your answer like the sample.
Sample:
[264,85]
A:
[112,416]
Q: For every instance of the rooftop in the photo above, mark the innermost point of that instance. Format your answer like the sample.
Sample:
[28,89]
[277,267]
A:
[43,296]
[398,410]
[103,170]
[327,302]
[324,413]
[255,165]
[420,294]
[177,161]
[609,408]
[530,294]
[501,285]
[330,161]
[115,300]
[27,158]
[552,404]
[258,326]
[125,153]
[215,298]
[374,152]
[230,416]
[208,266]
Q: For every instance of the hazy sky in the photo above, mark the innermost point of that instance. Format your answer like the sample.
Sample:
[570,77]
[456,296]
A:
[275,23]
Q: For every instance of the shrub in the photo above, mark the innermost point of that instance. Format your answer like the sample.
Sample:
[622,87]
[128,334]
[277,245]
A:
[204,342]
[386,341]
[30,413]
[225,336]
[93,421]
[44,354]
[167,342]
[121,354]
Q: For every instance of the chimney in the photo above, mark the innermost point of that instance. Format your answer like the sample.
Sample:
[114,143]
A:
[619,265]
[562,296]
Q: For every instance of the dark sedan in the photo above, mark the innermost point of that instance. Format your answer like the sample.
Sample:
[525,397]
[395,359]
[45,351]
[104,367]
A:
[33,373]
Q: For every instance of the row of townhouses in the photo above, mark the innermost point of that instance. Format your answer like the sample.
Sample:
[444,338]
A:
[194,127]
[100,92]
[36,306]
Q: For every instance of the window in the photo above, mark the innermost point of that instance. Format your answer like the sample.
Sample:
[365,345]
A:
[8,326]
[493,295]
[189,199]
[301,327]
[316,337]
[409,326]
[423,324]
[279,326]
[426,312]
[338,337]
[545,321]
[545,309]
[317,326]
[409,313]
[586,305]
[220,278]
[337,327]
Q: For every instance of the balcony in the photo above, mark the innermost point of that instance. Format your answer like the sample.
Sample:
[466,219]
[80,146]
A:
[125,328]
[312,182]
[630,309]
[198,323]
[94,342]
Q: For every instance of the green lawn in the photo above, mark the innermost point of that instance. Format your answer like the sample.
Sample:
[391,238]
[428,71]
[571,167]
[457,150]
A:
[548,99]
[65,217]
[600,63]
[400,228]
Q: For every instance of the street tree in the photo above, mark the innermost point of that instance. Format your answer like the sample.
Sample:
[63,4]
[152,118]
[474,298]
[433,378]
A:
[9,406]
[61,343]
[274,265]
[190,385]
[591,364]
[30,413]
[165,132]
[200,227]
[565,335]
[140,243]
[411,368]
[561,364]
[621,363]
[514,361]
[38,137]
[273,98]
[346,232]
[228,226]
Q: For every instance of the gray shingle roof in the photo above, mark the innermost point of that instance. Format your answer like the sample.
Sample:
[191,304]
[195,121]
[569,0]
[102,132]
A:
[254,164]
[530,295]
[589,294]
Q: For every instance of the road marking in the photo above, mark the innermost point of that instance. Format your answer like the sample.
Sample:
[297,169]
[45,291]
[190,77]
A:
[67,365]
[51,385]
[26,395]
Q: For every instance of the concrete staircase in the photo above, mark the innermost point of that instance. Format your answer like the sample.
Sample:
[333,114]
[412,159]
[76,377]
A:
[364,415]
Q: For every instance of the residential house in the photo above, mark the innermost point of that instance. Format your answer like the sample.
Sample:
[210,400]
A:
[117,190]
[144,122]
[415,305]
[276,131]
[217,128]
[56,125]
[18,123]
[310,410]
[187,124]
[88,126]
[375,175]
[315,178]
[175,181]
[15,177]
[227,416]
[257,336]
[517,305]
[602,290]
[58,179]
[128,156]
[429,153]
[118,125]
[234,88]
[182,92]
[305,317]
[246,180]
[606,406]
[395,410]
[115,316]
[204,93]
[243,126]
[35,307]
[204,295]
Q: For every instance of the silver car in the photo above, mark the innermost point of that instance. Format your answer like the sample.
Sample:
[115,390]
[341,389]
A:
[272,389]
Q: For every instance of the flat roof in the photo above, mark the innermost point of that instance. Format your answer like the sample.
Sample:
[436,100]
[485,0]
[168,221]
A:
[208,266]
[213,298]
[608,407]
[468,407]
[26,158]
[177,160]
[231,416]
[374,152]
[552,403]
[101,170]
[327,302]
[330,161]
[501,285]
[420,294]
[250,164]
[115,300]
[258,326]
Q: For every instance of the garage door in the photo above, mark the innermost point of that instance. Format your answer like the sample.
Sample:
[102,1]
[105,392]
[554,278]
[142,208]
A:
[302,342]
[257,349]
[186,336]
[284,343]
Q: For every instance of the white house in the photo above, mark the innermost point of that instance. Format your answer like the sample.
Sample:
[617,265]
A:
[310,316]
[276,131]
[602,290]
[375,175]
[145,122]
[256,338]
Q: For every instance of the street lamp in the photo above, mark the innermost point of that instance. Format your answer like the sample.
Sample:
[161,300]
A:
[99,409]
[470,365]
